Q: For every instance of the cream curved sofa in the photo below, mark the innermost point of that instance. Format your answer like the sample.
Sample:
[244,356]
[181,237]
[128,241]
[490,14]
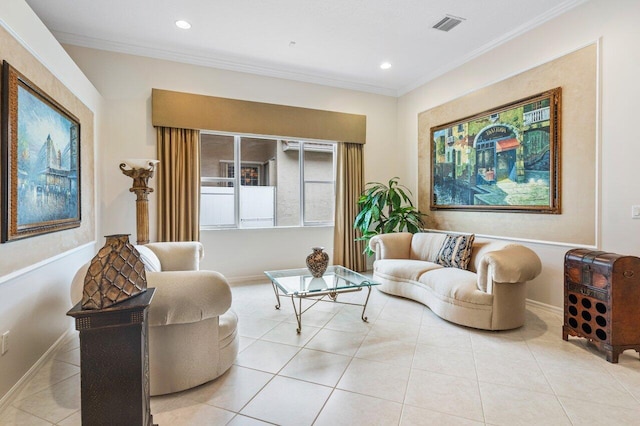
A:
[192,330]
[490,295]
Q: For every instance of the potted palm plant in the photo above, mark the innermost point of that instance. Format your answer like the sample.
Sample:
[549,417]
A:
[385,209]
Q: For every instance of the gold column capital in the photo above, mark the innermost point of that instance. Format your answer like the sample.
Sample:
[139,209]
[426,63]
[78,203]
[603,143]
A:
[140,171]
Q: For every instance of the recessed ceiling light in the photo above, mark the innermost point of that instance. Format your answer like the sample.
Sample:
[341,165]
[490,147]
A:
[385,65]
[183,24]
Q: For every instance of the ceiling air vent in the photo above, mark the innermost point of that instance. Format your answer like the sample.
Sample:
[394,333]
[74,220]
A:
[447,23]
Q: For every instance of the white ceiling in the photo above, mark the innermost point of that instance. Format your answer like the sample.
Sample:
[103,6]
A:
[337,42]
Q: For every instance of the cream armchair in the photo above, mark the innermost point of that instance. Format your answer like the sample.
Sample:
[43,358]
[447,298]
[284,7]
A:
[192,330]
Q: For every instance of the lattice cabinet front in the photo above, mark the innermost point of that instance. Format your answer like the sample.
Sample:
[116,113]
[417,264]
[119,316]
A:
[602,300]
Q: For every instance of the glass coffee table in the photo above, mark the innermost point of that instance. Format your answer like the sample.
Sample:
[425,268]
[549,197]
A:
[300,284]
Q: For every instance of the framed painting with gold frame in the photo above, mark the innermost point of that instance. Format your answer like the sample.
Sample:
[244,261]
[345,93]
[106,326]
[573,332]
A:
[40,161]
[504,159]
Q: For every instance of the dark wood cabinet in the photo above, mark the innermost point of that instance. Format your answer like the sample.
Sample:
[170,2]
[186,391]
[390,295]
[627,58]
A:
[602,300]
[114,363]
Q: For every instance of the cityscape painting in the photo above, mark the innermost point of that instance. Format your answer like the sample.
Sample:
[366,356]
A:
[40,161]
[506,159]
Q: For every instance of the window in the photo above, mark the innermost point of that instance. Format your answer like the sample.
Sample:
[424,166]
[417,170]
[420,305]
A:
[280,183]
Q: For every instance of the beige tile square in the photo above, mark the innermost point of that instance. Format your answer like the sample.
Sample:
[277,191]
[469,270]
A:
[71,356]
[595,385]
[319,367]
[73,420]
[348,321]
[414,416]
[544,315]
[560,354]
[231,391]
[244,343]
[338,342]
[54,403]
[509,346]
[12,416]
[429,319]
[401,303]
[286,333]
[375,379]
[71,341]
[445,335]
[240,420]
[346,408]
[255,327]
[266,356]
[587,413]
[505,405]
[626,372]
[445,360]
[262,309]
[286,401]
[536,332]
[518,373]
[407,313]
[161,403]
[187,412]
[397,353]
[394,330]
[445,394]
[49,374]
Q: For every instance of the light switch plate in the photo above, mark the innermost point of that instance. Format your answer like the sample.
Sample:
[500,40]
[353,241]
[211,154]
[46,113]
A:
[635,212]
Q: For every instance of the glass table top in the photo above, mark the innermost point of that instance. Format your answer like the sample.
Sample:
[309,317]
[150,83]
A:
[301,282]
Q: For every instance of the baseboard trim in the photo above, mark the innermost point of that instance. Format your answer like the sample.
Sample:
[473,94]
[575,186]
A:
[545,307]
[8,398]
[249,279]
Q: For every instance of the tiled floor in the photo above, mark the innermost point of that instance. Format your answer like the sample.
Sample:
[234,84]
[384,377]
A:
[405,367]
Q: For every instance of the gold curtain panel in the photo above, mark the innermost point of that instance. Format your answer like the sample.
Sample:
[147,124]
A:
[192,111]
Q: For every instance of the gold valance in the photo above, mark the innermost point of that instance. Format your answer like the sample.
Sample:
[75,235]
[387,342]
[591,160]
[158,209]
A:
[192,111]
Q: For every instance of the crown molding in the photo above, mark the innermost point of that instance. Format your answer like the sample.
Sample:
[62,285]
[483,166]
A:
[230,64]
[246,66]
[522,29]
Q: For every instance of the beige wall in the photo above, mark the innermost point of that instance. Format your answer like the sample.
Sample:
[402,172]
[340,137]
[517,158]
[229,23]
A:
[613,23]
[126,81]
[575,73]
[35,273]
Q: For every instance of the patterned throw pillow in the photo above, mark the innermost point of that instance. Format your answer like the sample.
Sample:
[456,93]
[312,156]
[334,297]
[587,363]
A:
[456,251]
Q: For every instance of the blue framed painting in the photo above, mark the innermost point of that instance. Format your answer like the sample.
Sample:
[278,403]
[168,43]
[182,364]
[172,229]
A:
[40,161]
[504,159]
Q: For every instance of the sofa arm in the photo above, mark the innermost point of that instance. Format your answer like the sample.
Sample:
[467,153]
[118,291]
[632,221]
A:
[513,263]
[396,245]
[178,256]
[187,296]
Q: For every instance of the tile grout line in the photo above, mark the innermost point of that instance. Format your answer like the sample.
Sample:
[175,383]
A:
[475,367]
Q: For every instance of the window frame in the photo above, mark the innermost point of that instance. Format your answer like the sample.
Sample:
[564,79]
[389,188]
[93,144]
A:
[236,180]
